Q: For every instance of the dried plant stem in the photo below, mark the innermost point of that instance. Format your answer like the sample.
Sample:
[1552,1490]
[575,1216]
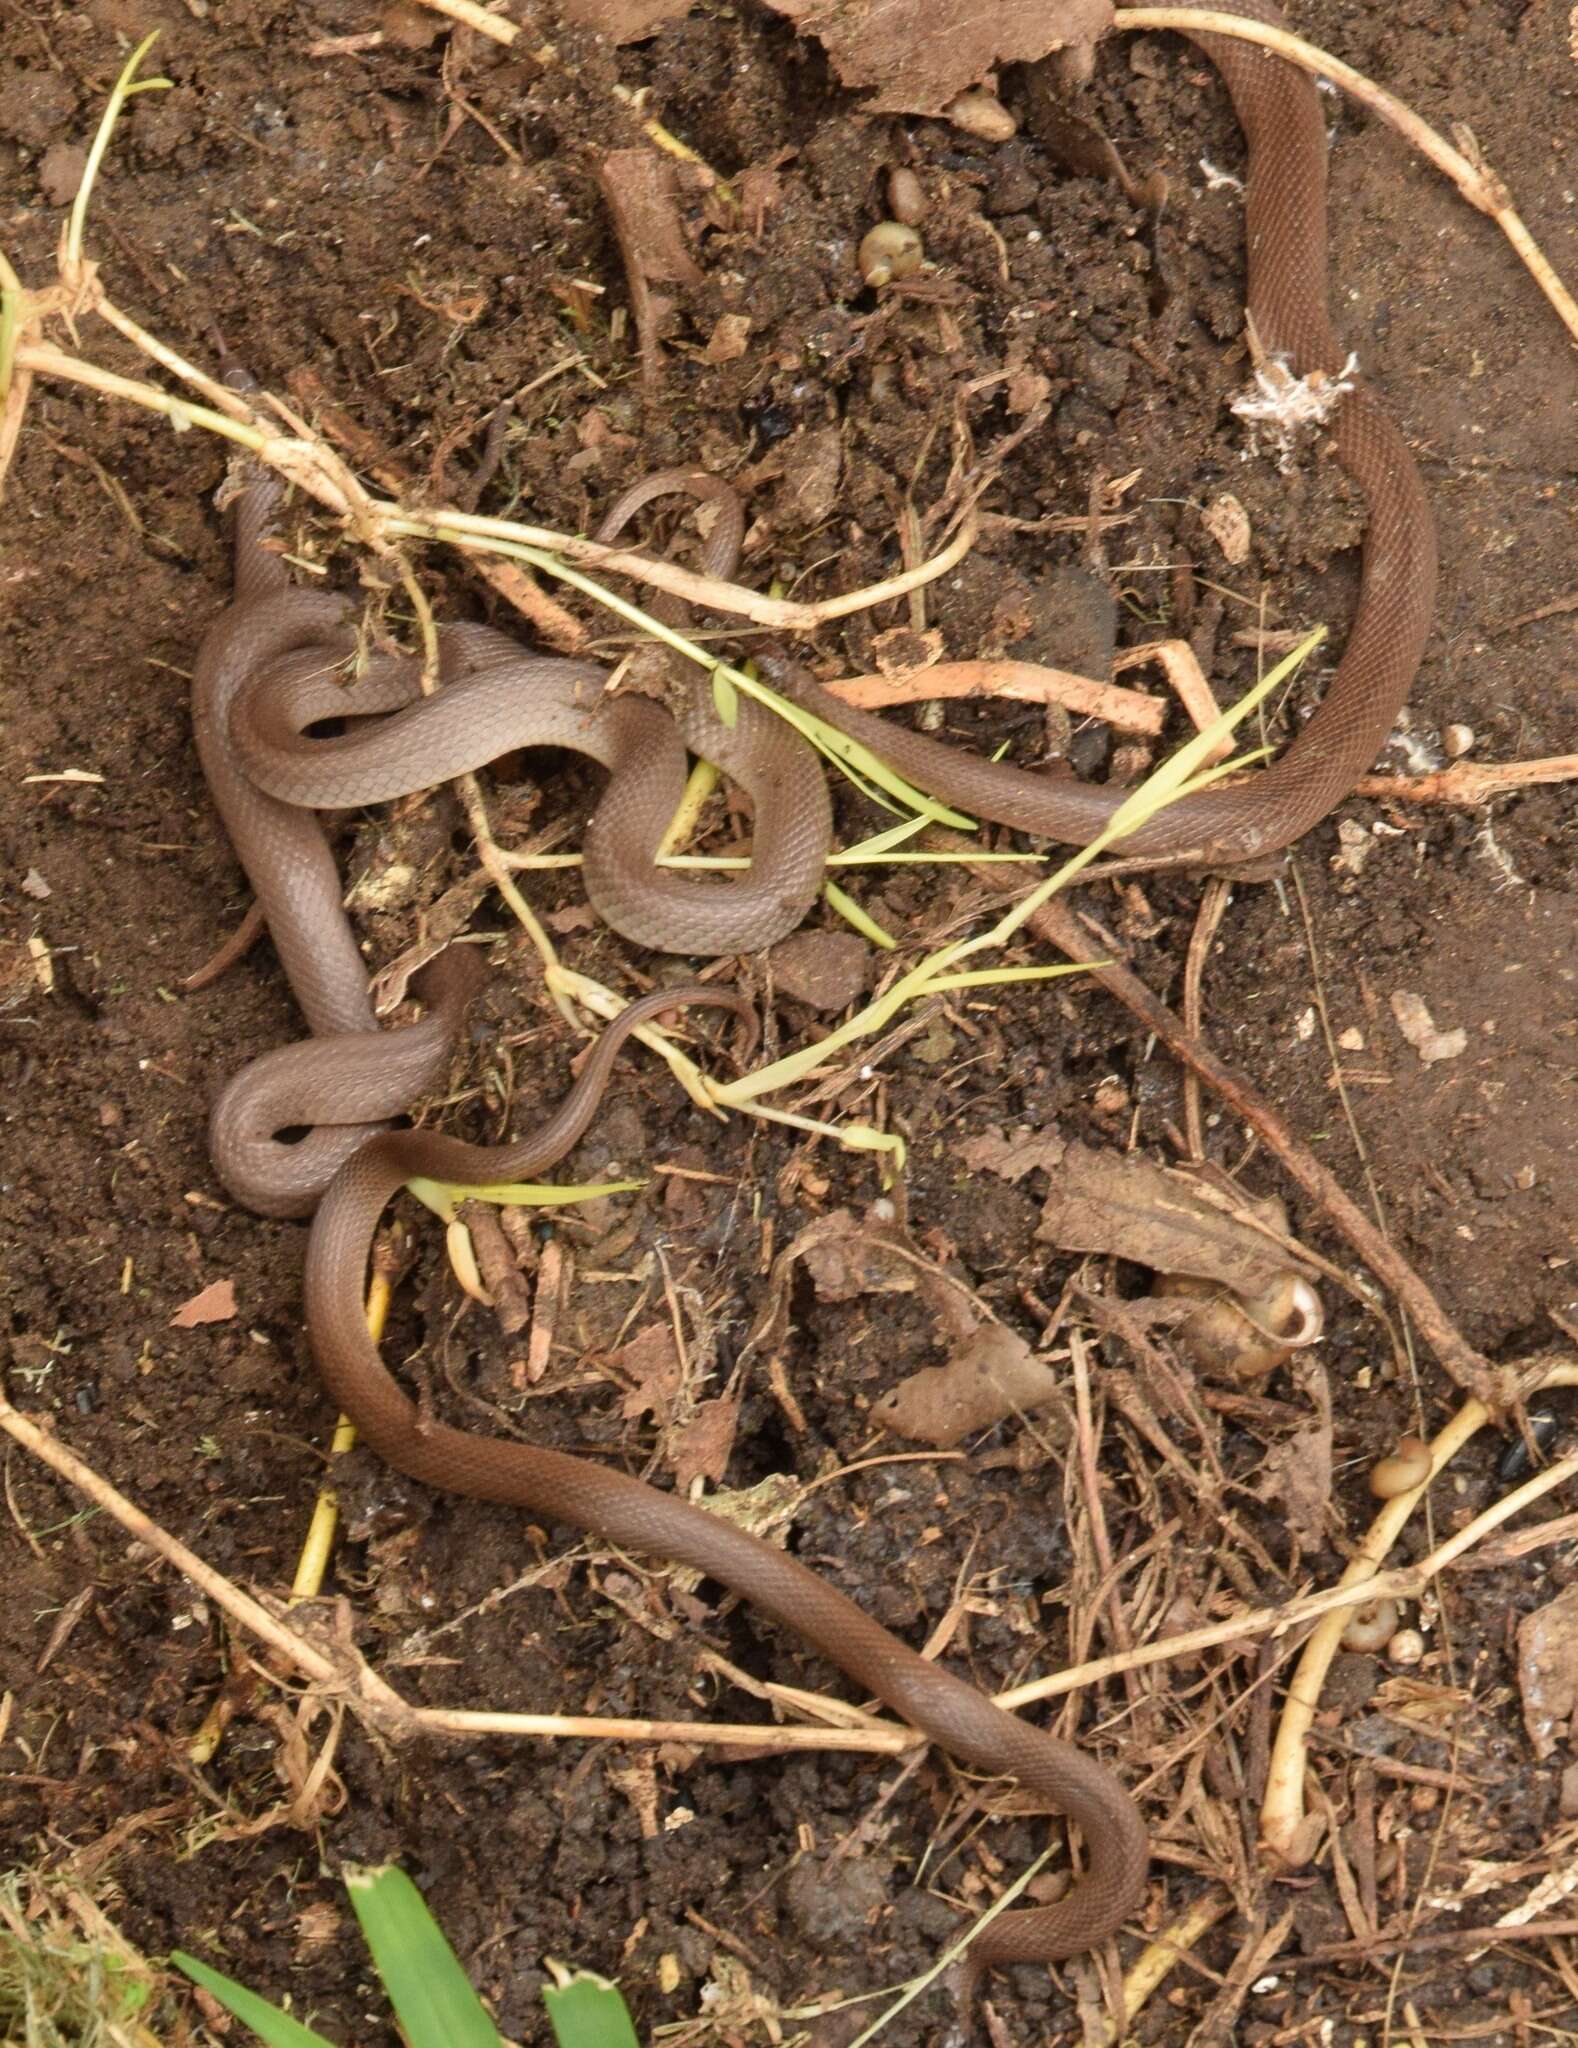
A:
[346,1675]
[1479,185]
[1288,1830]
[312,467]
[1146,1975]
[1405,1583]
[1470,782]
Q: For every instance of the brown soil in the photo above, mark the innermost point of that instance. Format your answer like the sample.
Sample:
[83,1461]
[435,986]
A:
[406,222]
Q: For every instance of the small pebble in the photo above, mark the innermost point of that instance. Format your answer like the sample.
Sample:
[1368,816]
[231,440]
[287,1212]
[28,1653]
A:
[1406,1647]
[906,196]
[1456,741]
[60,172]
[982,114]
[824,970]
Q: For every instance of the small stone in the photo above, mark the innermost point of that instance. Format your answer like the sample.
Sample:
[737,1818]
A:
[825,970]
[906,196]
[60,171]
[835,1903]
[982,114]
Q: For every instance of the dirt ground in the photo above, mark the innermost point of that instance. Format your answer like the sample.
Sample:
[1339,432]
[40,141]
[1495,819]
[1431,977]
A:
[413,218]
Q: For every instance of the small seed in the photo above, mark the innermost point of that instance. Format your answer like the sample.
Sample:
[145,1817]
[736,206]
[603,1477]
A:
[982,114]
[1406,1647]
[1407,1467]
[906,196]
[1456,740]
[1371,1626]
[891,250]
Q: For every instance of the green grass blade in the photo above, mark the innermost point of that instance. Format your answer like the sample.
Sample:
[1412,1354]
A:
[430,1992]
[862,920]
[271,2025]
[586,2011]
[441,1196]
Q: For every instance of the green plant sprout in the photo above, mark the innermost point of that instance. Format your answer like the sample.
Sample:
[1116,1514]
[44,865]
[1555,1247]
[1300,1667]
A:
[431,1995]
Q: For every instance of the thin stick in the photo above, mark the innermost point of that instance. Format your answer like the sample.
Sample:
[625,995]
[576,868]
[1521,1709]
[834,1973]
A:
[1404,1583]
[308,465]
[249,1612]
[1446,1938]
[1470,782]
[1029,682]
[1477,182]
[318,1543]
[349,1676]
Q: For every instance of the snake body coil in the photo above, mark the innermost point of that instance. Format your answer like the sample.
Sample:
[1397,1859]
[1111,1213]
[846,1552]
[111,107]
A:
[264,675]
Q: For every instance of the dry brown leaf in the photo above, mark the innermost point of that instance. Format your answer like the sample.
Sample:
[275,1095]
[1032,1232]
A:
[728,340]
[1125,1206]
[651,1359]
[813,460]
[825,969]
[992,1374]
[844,1261]
[701,1449]
[642,188]
[1297,1473]
[1548,1671]
[919,56]
[1297,1476]
[216,1304]
[1013,1154]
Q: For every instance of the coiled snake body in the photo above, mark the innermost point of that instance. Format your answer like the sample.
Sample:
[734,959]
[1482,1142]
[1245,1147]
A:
[263,676]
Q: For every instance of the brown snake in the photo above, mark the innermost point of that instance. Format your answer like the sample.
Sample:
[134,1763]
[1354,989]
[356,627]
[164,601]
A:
[265,673]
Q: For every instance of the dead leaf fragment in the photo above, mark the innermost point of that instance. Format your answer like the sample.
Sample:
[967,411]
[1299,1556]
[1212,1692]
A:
[921,56]
[641,190]
[1418,1027]
[702,1448]
[1013,1154]
[1548,1671]
[216,1304]
[651,1360]
[1297,1471]
[813,460]
[826,970]
[1228,525]
[844,1260]
[726,343]
[1108,1202]
[992,1374]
